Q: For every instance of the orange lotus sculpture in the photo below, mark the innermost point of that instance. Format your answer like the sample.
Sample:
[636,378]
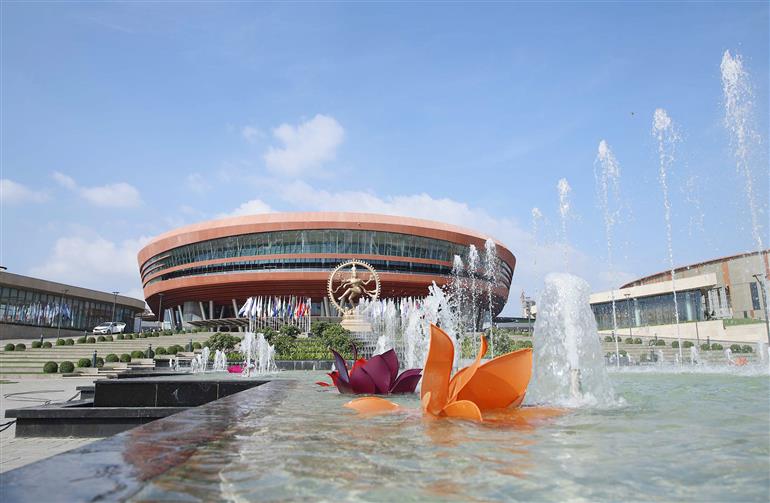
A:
[497,384]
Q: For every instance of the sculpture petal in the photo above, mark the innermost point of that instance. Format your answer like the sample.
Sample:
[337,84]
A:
[438,367]
[462,409]
[324,384]
[501,382]
[466,374]
[358,363]
[406,383]
[361,383]
[372,405]
[341,366]
[391,359]
[379,372]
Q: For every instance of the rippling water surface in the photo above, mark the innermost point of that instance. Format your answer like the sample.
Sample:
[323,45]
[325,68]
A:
[676,437]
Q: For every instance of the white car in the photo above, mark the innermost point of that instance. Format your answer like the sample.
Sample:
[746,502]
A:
[113,327]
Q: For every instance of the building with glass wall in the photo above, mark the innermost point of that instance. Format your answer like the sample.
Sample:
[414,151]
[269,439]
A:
[207,270]
[711,294]
[30,307]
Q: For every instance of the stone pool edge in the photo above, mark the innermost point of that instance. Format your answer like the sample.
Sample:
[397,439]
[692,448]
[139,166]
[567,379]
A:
[117,467]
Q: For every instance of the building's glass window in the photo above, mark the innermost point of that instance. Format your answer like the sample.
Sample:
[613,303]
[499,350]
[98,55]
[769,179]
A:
[328,241]
[653,310]
[755,304]
[31,307]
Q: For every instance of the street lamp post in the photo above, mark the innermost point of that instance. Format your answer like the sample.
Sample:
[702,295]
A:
[160,311]
[764,301]
[114,301]
[58,323]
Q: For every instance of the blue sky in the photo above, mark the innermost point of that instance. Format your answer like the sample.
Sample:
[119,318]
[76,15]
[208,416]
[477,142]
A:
[122,121]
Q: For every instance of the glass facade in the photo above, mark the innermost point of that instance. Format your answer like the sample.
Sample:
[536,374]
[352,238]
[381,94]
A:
[45,309]
[327,241]
[653,310]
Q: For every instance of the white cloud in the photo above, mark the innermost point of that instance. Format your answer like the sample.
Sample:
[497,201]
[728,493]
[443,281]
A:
[252,207]
[115,195]
[197,183]
[305,146]
[15,193]
[251,134]
[91,261]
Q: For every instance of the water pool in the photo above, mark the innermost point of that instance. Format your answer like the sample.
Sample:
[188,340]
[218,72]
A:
[678,436]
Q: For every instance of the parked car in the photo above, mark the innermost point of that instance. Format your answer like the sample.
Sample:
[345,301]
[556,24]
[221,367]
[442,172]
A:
[110,327]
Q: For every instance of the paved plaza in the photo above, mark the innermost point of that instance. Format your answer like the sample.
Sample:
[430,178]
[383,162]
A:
[16,393]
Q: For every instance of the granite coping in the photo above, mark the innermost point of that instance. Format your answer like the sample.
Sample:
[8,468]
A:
[117,467]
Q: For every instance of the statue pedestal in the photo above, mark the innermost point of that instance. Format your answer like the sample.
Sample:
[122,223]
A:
[355,323]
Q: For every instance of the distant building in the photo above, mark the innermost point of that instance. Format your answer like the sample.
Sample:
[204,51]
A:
[527,306]
[714,290]
[30,307]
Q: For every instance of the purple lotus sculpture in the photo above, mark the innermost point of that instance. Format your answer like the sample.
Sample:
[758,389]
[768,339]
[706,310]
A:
[376,376]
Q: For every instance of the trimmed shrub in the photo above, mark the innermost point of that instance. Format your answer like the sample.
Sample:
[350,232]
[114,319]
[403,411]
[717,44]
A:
[747,349]
[50,367]
[84,362]
[47,344]
[108,338]
[290,330]
[160,350]
[60,342]
[137,354]
[70,342]
[168,332]
[82,340]
[629,340]
[125,357]
[66,367]
[637,340]
[197,345]
[20,347]
[9,347]
[100,339]
[608,338]
[675,344]
[317,328]
[688,344]
[223,342]
[112,358]
[716,346]
[336,337]
[142,335]
[623,352]
[36,344]
[660,342]
[120,337]
[91,340]
[99,362]
[129,336]
[705,347]
[736,348]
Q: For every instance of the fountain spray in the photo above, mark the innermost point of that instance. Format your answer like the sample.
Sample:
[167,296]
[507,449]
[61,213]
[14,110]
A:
[664,132]
[607,176]
[490,274]
[473,268]
[564,206]
[739,121]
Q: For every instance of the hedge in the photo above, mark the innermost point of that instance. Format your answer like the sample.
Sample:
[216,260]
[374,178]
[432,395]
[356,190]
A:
[91,340]
[137,354]
[50,367]
[108,338]
[9,347]
[36,344]
[47,344]
[197,345]
[120,337]
[160,350]
[112,358]
[60,342]
[125,358]
[70,342]
[99,362]
[129,336]
[84,362]
[82,340]
[100,339]
[20,347]
[66,367]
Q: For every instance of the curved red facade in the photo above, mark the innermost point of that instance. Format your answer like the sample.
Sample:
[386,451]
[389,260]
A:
[222,261]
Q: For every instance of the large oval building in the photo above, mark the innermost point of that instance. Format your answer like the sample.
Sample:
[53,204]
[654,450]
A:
[207,270]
